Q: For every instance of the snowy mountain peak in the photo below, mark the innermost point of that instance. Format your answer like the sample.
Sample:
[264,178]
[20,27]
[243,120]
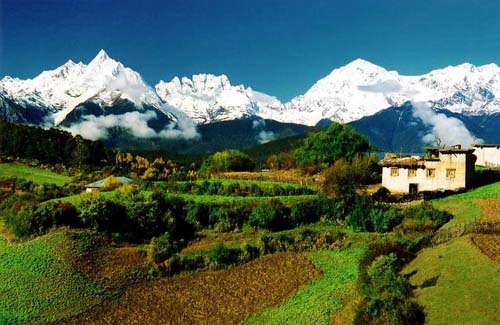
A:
[208,98]
[101,56]
[102,81]
[362,65]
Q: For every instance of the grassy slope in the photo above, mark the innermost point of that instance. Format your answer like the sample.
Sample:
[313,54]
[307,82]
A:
[319,300]
[467,290]
[462,206]
[38,283]
[468,284]
[35,175]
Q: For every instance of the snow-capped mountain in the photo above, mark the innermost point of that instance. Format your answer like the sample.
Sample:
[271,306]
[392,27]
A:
[102,82]
[348,93]
[361,89]
[207,98]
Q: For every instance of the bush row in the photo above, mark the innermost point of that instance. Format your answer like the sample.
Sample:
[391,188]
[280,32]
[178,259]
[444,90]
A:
[231,189]
[222,256]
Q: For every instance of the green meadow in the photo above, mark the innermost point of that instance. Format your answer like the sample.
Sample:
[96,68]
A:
[35,175]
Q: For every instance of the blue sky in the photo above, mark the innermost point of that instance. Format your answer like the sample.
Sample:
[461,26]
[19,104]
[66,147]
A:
[280,47]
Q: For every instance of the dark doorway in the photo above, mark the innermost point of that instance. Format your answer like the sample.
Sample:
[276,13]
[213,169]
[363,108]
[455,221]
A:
[413,188]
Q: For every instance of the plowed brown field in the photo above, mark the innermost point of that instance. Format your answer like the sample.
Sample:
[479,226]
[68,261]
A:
[210,297]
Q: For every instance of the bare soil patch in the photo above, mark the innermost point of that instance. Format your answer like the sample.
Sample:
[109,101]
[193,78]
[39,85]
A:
[490,209]
[209,297]
[489,245]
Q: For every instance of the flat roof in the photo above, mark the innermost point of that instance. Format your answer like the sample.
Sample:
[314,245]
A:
[487,145]
[100,183]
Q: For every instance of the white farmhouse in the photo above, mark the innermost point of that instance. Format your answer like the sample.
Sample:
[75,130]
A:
[440,169]
[488,155]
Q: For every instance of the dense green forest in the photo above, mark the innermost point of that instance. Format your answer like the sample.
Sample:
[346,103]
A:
[51,146]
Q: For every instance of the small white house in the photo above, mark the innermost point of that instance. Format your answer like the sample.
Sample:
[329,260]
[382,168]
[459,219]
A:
[96,186]
[440,169]
[488,155]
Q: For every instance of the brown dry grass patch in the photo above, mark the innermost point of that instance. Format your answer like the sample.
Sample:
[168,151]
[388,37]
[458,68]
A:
[209,297]
[490,209]
[110,265]
[285,176]
[489,245]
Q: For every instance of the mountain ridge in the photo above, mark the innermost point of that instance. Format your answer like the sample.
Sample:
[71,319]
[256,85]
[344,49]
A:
[73,92]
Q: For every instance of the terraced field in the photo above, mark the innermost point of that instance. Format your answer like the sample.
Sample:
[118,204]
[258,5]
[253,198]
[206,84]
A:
[460,280]
[318,301]
[457,282]
[209,297]
[39,284]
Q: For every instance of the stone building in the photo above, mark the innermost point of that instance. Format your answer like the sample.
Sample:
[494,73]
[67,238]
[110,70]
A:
[439,169]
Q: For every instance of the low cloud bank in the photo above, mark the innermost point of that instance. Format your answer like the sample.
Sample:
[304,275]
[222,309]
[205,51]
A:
[263,136]
[446,130]
[136,123]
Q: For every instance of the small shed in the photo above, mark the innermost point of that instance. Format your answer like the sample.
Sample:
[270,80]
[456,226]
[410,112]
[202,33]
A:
[97,185]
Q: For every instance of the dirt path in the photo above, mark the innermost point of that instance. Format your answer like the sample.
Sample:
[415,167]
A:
[210,297]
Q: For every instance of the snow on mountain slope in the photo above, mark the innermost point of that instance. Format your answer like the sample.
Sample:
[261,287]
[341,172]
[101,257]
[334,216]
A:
[348,93]
[207,98]
[102,81]
[361,89]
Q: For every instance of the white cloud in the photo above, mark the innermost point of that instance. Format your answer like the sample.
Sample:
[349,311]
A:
[265,136]
[257,124]
[136,123]
[446,130]
[386,86]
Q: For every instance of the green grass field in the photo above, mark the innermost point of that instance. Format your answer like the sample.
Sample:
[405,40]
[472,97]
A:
[262,184]
[467,290]
[216,199]
[35,175]
[226,199]
[317,302]
[39,284]
[462,205]
[467,282]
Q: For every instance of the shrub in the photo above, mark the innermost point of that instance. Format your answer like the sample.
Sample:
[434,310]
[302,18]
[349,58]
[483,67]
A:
[161,248]
[304,212]
[197,215]
[102,215]
[268,216]
[387,295]
[222,255]
[225,161]
[219,218]
[37,220]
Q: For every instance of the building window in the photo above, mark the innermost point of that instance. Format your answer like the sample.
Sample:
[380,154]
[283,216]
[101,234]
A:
[412,172]
[394,171]
[431,172]
[450,173]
